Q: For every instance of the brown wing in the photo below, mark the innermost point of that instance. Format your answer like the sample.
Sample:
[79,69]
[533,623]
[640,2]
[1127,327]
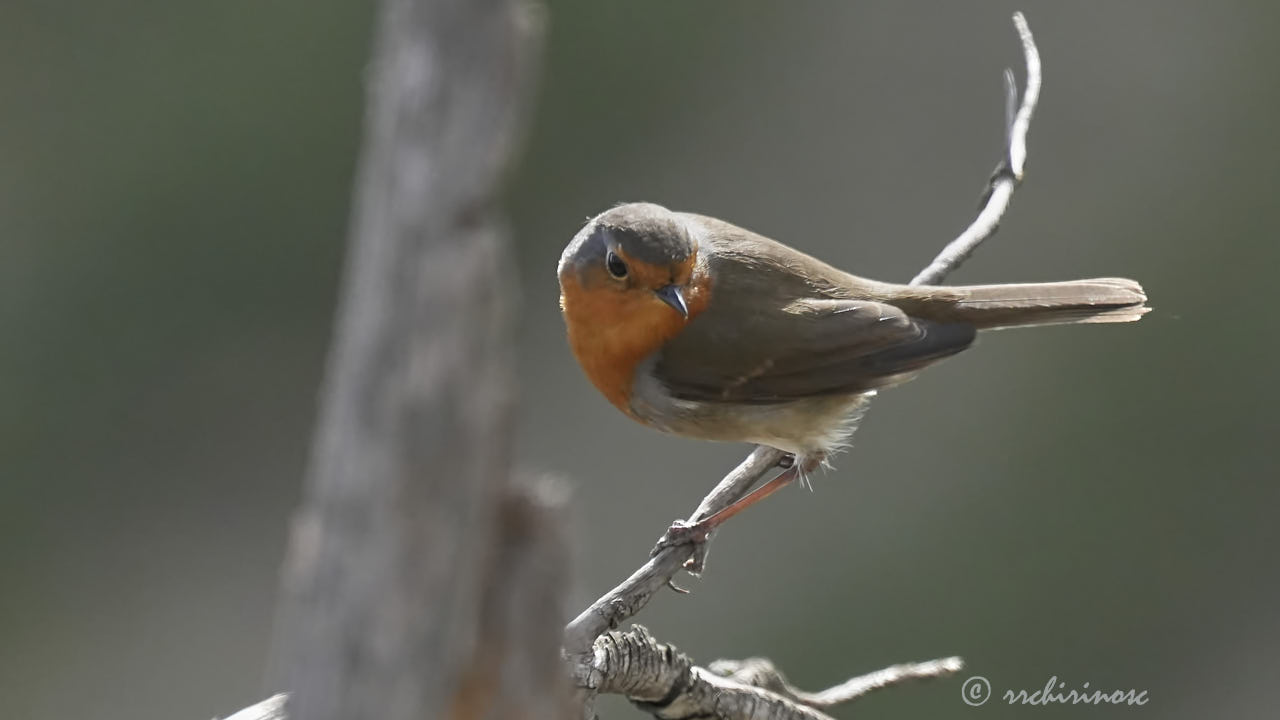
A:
[756,343]
[833,347]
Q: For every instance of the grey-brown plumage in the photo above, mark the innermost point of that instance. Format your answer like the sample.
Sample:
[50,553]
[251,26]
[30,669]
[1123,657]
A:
[781,348]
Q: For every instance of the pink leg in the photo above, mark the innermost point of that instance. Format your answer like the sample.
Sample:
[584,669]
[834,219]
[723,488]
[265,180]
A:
[697,533]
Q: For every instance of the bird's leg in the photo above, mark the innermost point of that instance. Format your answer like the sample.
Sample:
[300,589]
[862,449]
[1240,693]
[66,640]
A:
[696,533]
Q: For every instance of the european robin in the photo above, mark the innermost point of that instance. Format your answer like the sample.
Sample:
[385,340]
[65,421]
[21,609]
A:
[697,327]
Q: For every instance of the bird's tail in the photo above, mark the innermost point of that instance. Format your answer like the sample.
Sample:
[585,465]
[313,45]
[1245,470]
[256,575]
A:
[1102,300]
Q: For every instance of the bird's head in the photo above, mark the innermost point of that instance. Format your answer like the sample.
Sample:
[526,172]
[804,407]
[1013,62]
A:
[636,258]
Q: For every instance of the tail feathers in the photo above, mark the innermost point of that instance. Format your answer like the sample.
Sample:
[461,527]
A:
[1102,300]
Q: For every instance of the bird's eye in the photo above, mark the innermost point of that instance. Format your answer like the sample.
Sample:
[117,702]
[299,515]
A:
[614,264]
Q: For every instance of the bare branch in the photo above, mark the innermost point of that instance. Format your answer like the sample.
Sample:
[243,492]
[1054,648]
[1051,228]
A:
[273,708]
[760,672]
[663,681]
[627,599]
[512,672]
[1022,122]
[1008,173]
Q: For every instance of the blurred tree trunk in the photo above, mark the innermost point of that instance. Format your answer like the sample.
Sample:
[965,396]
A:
[421,580]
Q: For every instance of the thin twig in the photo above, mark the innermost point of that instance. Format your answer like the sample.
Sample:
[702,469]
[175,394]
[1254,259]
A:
[1022,122]
[760,672]
[625,600]
[1008,173]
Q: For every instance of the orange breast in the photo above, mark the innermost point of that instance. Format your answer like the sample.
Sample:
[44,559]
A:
[611,331]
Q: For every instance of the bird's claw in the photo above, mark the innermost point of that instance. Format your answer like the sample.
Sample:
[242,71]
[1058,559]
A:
[683,533]
[680,533]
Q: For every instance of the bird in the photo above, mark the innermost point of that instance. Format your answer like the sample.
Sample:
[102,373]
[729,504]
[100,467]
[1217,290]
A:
[700,328]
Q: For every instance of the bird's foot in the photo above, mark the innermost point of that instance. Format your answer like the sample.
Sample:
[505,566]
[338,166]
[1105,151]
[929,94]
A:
[683,533]
[697,533]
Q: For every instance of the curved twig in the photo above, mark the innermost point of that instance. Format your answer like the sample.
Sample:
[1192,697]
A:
[1008,173]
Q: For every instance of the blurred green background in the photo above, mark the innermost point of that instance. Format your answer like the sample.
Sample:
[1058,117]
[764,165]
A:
[1095,503]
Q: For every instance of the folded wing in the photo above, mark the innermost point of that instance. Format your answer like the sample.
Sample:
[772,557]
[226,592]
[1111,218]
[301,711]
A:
[812,347]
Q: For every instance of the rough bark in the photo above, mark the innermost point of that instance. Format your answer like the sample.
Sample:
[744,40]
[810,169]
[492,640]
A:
[411,543]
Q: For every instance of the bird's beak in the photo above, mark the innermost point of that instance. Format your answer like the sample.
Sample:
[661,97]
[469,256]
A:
[672,296]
